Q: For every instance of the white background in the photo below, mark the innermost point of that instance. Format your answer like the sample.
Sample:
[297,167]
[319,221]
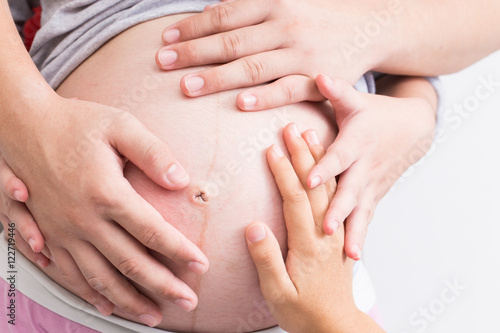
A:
[443,222]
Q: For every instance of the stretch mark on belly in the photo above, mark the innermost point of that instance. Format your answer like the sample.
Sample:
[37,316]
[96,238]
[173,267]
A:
[203,198]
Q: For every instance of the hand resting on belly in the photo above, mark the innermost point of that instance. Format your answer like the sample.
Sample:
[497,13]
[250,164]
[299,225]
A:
[223,150]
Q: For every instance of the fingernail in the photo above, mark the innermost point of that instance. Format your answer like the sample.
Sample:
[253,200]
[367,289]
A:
[197,267]
[194,84]
[313,138]
[176,174]
[256,233]
[357,252]
[100,308]
[171,35]
[184,304]
[335,226]
[295,130]
[249,101]
[277,150]
[167,57]
[18,195]
[149,320]
[32,242]
[315,181]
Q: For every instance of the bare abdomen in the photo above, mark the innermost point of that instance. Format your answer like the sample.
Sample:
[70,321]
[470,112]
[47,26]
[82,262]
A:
[223,150]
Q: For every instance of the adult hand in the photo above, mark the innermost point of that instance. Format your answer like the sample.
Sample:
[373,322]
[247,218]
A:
[311,291]
[290,41]
[97,229]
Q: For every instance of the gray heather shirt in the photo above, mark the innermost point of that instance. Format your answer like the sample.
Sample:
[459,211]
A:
[74,29]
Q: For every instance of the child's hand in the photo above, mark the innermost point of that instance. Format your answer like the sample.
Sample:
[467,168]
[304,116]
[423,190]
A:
[312,290]
[379,138]
[13,194]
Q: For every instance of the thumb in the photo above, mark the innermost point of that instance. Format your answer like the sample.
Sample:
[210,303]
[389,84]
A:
[266,254]
[343,97]
[134,141]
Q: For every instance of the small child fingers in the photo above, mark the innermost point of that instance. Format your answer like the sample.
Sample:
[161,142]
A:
[342,95]
[346,198]
[296,207]
[266,254]
[356,228]
[10,184]
[26,225]
[303,161]
[342,153]
[37,258]
[318,151]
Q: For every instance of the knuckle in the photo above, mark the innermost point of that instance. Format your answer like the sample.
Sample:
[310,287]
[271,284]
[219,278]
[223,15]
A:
[98,283]
[151,237]
[290,93]
[217,78]
[155,152]
[176,252]
[221,17]
[69,278]
[297,196]
[253,70]
[129,307]
[191,52]
[131,268]
[102,196]
[265,260]
[231,45]
[165,292]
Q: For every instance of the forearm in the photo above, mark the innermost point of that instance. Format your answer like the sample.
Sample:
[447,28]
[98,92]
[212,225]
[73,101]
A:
[428,37]
[408,87]
[23,87]
[358,322]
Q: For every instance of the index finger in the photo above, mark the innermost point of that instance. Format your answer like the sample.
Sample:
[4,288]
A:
[296,208]
[147,225]
[221,18]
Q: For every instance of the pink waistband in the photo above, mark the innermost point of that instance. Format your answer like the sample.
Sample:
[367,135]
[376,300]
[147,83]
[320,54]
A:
[32,317]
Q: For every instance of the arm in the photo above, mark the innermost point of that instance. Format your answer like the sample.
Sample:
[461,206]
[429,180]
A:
[438,37]
[71,154]
[311,291]
[258,42]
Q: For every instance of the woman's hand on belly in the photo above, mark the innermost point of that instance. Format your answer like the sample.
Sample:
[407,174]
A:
[311,291]
[94,223]
[289,41]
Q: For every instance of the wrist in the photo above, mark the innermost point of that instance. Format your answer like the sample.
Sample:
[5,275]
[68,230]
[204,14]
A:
[23,113]
[23,104]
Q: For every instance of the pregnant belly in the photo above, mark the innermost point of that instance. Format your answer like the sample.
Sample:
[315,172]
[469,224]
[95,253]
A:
[223,149]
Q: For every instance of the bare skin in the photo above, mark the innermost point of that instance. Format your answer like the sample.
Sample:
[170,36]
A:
[203,128]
